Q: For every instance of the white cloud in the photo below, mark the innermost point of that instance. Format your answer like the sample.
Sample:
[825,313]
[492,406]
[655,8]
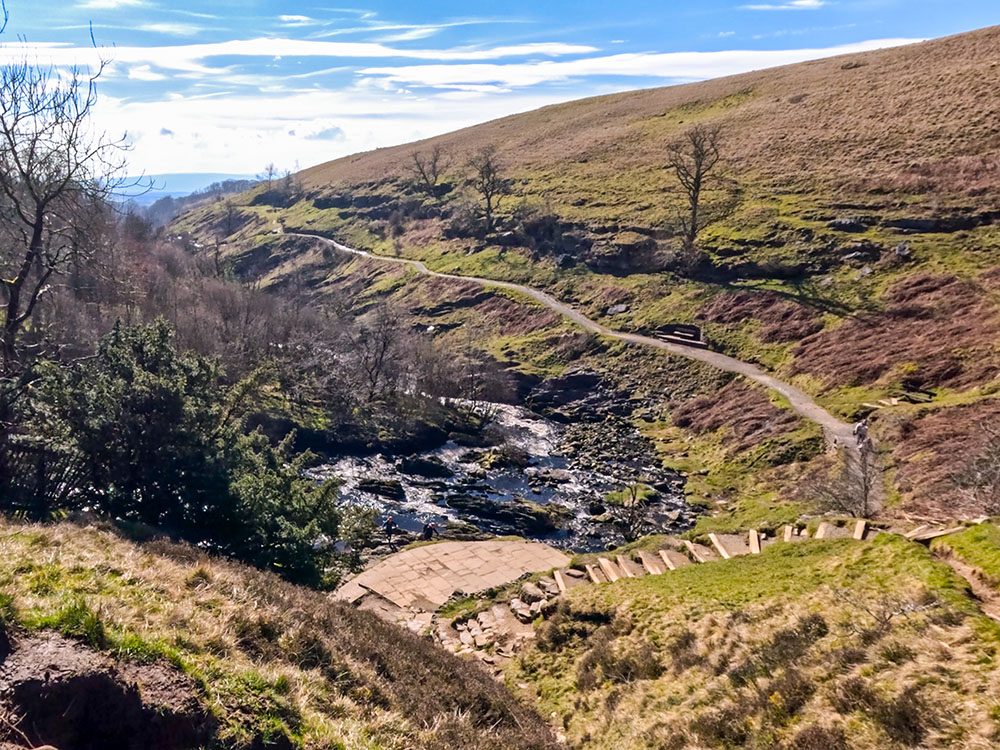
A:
[239,132]
[144,73]
[112,4]
[791,5]
[174,29]
[189,58]
[295,21]
[668,66]
[723,34]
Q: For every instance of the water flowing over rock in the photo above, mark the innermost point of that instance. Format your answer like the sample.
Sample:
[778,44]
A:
[540,479]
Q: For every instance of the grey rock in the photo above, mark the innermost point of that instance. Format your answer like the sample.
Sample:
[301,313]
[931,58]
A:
[531,593]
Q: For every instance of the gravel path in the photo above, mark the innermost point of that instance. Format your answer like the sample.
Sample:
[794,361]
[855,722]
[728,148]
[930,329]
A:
[837,432]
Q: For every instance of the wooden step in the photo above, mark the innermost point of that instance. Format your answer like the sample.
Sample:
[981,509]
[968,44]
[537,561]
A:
[595,575]
[860,529]
[609,569]
[753,542]
[700,553]
[674,559]
[729,545]
[653,565]
[927,536]
[629,568]
[560,581]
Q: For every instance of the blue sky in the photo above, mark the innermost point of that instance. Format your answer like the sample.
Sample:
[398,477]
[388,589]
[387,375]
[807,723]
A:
[226,86]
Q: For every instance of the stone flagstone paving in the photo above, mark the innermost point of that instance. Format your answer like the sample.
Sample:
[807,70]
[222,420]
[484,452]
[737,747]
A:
[426,577]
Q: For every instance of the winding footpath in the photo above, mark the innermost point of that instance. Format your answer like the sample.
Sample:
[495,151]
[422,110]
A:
[836,432]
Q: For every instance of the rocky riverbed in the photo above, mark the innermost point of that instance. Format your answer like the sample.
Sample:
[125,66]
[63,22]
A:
[536,477]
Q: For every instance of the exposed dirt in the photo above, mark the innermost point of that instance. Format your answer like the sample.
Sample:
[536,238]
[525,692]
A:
[929,450]
[781,320]
[983,590]
[750,416]
[75,698]
[941,329]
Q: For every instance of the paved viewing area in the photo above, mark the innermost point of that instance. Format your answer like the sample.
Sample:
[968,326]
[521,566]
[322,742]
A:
[424,578]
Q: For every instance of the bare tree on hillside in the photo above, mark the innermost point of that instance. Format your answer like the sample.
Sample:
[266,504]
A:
[628,507]
[376,350]
[428,169]
[56,173]
[978,480]
[854,487]
[269,174]
[489,181]
[692,160]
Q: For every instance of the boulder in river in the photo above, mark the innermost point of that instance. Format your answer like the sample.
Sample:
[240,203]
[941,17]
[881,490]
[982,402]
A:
[424,467]
[518,514]
[391,488]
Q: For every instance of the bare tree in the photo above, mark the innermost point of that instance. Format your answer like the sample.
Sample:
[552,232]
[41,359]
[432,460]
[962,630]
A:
[628,507]
[854,486]
[882,609]
[376,345]
[488,180]
[428,169]
[978,481]
[56,171]
[269,174]
[692,160]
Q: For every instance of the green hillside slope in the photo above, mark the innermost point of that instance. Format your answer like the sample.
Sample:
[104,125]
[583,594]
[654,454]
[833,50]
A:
[224,656]
[858,255]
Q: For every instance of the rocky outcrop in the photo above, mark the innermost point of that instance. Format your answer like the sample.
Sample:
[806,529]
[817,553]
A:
[518,515]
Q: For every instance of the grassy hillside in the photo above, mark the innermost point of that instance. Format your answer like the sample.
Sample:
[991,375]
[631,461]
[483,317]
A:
[859,259]
[269,664]
[821,645]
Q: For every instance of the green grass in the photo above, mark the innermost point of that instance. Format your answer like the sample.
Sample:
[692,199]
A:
[697,628]
[979,546]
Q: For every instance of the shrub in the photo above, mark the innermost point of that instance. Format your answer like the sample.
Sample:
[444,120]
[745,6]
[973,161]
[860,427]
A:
[726,726]
[904,717]
[819,738]
[683,651]
[853,694]
[897,652]
[786,695]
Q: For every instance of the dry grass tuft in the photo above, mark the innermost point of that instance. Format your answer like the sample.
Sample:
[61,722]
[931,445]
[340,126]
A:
[268,656]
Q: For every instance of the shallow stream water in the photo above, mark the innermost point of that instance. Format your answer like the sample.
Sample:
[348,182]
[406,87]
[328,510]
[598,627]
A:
[552,476]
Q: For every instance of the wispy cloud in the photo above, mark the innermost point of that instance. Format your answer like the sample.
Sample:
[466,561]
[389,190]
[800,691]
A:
[173,29]
[192,57]
[113,4]
[673,66]
[297,21]
[144,73]
[790,5]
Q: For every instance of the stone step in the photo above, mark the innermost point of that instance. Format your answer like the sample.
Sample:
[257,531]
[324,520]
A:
[674,559]
[610,570]
[653,565]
